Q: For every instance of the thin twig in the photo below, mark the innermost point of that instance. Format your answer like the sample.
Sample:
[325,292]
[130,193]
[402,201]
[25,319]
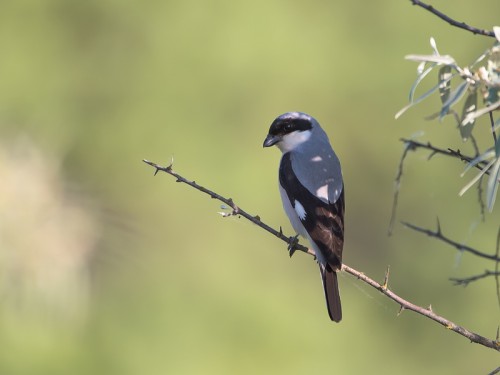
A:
[412,145]
[480,200]
[467,280]
[444,17]
[492,121]
[447,152]
[461,247]
[397,185]
[497,253]
[383,288]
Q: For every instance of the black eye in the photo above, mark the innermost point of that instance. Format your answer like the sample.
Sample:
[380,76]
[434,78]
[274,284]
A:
[288,127]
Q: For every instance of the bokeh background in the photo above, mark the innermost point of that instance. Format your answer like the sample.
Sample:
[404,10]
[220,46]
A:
[105,269]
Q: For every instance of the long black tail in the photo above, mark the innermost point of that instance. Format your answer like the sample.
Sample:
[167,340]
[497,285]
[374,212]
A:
[332,295]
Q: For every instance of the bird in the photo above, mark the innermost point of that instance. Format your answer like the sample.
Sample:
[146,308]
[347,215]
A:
[312,193]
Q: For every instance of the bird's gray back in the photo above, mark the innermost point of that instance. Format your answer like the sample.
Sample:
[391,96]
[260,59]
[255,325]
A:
[317,167]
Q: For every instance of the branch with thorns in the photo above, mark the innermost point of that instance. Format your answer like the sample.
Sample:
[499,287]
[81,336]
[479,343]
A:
[383,288]
[496,273]
[467,280]
[438,234]
[413,145]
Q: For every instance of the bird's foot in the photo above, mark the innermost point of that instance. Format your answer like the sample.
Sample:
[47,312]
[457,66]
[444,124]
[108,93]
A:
[292,244]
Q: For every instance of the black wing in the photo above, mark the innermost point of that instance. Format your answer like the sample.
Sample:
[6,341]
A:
[323,221]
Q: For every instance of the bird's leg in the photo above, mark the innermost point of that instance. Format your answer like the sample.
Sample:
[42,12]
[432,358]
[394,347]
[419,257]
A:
[292,244]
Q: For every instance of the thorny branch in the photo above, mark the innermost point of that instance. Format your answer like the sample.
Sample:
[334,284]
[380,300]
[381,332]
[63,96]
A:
[397,185]
[497,280]
[467,280]
[383,288]
[486,273]
[451,21]
[460,247]
[413,145]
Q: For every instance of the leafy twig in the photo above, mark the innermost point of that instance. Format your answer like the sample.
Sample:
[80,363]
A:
[383,288]
[444,17]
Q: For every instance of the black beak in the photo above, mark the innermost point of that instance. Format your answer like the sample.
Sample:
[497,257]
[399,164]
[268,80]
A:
[271,140]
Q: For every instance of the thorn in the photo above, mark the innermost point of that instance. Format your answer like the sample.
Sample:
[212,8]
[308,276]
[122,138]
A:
[498,335]
[386,278]
[257,217]
[438,230]
[292,244]
[156,171]
[430,308]
[401,309]
[311,251]
[281,231]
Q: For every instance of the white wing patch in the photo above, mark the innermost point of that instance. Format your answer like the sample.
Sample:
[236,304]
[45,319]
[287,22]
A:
[299,209]
[322,192]
[317,158]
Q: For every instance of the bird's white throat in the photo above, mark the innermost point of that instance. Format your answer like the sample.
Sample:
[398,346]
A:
[292,140]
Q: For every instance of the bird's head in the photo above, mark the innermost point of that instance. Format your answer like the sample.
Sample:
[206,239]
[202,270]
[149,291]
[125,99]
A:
[290,130]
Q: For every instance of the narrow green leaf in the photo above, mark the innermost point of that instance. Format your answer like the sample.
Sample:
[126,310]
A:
[474,115]
[496,30]
[418,100]
[421,67]
[467,122]
[476,178]
[492,187]
[444,79]
[442,60]
[432,41]
[488,154]
[419,79]
[455,96]
[481,57]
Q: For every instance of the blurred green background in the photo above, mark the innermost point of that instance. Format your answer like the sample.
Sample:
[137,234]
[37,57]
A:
[106,269]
